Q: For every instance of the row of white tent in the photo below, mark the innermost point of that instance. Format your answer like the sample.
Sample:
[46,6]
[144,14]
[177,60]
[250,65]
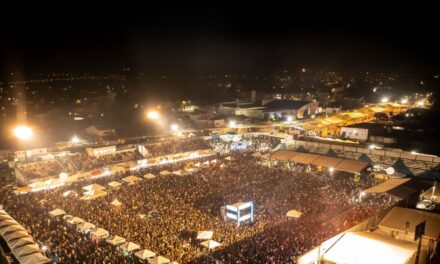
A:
[21,244]
[83,226]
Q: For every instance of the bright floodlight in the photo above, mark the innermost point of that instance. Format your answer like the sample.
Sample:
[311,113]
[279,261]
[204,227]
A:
[420,103]
[75,140]
[331,169]
[153,115]
[44,248]
[289,119]
[22,132]
[232,124]
[404,101]
[174,127]
[384,100]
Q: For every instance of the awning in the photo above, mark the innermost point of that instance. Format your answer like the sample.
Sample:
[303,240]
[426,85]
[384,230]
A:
[327,162]
[352,166]
[387,185]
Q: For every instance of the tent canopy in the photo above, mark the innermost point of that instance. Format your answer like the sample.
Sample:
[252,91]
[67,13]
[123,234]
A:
[205,235]
[116,240]
[100,232]
[149,176]
[116,202]
[35,258]
[396,220]
[387,185]
[159,260]
[367,247]
[56,213]
[340,164]
[293,213]
[114,184]
[144,254]
[131,179]
[210,244]
[130,246]
[93,187]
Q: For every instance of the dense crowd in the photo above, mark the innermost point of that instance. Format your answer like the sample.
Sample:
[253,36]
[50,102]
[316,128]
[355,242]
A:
[172,146]
[249,143]
[86,162]
[164,214]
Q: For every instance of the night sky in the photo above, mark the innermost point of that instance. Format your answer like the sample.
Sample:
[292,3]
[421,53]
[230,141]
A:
[225,36]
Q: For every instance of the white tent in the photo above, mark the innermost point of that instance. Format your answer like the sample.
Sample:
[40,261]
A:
[177,172]
[164,173]
[144,254]
[116,240]
[131,179]
[56,213]
[100,232]
[367,247]
[130,246]
[158,260]
[93,187]
[84,227]
[75,221]
[205,235]
[36,258]
[222,165]
[294,213]
[5,217]
[16,243]
[11,229]
[214,161]
[114,184]
[93,194]
[210,244]
[229,158]
[25,250]
[116,202]
[8,223]
[149,176]
[15,235]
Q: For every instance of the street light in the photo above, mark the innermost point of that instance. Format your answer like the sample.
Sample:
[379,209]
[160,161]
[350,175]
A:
[153,115]
[174,127]
[22,132]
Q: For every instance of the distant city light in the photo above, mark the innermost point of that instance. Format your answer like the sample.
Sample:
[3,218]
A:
[22,132]
[174,127]
[404,101]
[75,140]
[384,100]
[421,103]
[303,70]
[153,115]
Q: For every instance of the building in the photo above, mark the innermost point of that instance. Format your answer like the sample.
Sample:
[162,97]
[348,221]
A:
[281,109]
[100,131]
[271,109]
[101,151]
[356,133]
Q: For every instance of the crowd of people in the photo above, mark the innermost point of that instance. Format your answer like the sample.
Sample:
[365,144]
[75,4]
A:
[172,146]
[164,214]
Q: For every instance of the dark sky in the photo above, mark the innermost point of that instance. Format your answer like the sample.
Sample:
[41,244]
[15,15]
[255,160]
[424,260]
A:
[224,36]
